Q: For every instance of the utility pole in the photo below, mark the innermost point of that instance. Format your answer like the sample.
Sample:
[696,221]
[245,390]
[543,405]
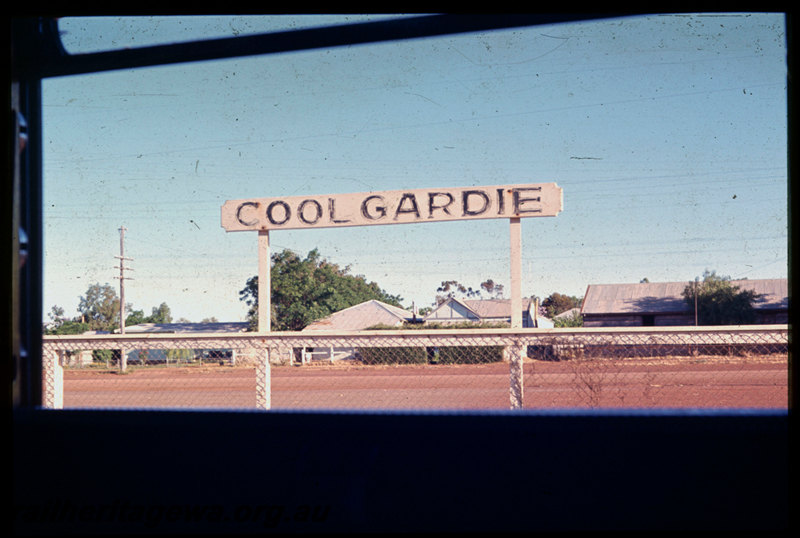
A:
[122,278]
[123,360]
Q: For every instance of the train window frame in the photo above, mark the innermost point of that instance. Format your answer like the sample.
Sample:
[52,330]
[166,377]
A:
[689,445]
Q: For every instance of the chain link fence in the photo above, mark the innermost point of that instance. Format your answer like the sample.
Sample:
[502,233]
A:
[742,366]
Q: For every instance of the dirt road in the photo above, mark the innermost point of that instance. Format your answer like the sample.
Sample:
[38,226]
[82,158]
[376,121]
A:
[656,383]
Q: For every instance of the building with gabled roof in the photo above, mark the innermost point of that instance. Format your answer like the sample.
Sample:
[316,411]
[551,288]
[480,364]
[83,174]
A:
[662,303]
[454,310]
[188,328]
[159,355]
[362,316]
[355,318]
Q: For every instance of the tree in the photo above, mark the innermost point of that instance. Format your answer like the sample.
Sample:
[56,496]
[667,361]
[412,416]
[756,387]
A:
[453,288]
[494,289]
[57,318]
[68,326]
[719,302]
[99,311]
[557,303]
[100,307]
[307,289]
[135,317]
[162,314]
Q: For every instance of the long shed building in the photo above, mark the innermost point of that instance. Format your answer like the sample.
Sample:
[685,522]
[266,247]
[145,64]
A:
[662,303]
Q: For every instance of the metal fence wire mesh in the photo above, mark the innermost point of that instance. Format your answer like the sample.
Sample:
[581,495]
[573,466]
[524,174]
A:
[742,366]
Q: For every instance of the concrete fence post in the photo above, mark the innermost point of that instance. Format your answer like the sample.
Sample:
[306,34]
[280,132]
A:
[52,380]
[263,380]
[515,354]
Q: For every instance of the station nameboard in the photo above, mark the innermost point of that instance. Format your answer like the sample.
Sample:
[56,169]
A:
[392,207]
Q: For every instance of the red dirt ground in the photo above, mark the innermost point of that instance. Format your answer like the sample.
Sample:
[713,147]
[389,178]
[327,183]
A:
[710,382]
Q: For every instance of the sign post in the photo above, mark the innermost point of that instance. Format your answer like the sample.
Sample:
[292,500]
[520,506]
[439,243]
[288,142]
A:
[516,272]
[264,282]
[513,202]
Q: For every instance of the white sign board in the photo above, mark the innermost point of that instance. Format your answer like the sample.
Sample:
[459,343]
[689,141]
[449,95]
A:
[392,207]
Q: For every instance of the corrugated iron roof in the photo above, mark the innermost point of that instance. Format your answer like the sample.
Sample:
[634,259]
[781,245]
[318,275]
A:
[666,297]
[361,316]
[493,308]
[567,313]
[485,309]
[214,327]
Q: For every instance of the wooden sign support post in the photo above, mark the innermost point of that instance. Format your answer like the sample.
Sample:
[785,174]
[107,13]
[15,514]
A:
[516,349]
[516,272]
[264,284]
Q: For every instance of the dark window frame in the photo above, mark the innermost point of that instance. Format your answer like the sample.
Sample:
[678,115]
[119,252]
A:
[721,470]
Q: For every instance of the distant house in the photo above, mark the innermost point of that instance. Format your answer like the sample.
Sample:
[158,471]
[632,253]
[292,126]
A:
[362,316]
[455,310]
[187,328]
[572,312]
[158,355]
[662,303]
[567,315]
[85,357]
[355,318]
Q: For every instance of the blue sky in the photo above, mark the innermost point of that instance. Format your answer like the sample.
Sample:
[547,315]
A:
[667,134]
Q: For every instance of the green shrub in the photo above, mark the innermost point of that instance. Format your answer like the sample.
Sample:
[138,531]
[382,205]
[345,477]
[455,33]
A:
[575,320]
[179,355]
[393,355]
[104,355]
[468,354]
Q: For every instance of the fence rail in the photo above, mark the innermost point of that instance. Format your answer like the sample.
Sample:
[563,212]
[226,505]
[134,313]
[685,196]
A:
[600,357]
